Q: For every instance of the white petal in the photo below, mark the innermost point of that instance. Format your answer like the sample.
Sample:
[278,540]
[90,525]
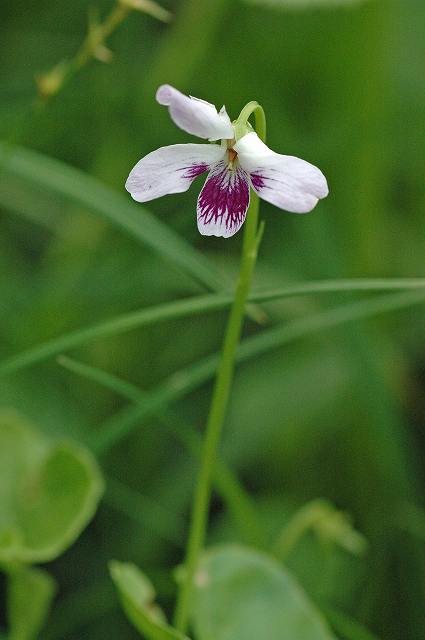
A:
[287,182]
[194,115]
[223,201]
[171,169]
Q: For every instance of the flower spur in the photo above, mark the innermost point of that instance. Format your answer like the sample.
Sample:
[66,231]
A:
[239,162]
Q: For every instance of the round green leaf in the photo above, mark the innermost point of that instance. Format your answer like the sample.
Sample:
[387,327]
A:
[137,597]
[48,492]
[243,594]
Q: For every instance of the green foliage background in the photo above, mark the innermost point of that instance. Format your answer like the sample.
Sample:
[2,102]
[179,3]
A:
[339,414]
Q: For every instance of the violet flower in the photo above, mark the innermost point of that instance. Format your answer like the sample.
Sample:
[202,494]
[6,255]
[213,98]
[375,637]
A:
[239,162]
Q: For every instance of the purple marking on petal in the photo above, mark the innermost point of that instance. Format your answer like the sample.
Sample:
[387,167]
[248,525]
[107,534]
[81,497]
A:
[258,181]
[194,170]
[224,199]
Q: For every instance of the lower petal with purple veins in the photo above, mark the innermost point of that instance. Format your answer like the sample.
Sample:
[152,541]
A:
[223,201]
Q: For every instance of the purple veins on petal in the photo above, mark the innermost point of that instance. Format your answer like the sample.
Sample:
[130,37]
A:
[194,170]
[258,181]
[223,201]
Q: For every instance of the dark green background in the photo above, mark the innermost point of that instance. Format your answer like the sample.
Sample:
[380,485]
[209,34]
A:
[338,415]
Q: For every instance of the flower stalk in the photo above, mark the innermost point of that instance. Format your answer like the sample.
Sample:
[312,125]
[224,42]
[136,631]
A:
[221,393]
[94,44]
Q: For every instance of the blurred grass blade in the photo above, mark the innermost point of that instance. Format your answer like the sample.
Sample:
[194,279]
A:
[183,382]
[346,627]
[184,308]
[146,511]
[135,220]
[238,501]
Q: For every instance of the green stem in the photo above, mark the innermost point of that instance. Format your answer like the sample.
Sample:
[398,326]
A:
[202,497]
[98,35]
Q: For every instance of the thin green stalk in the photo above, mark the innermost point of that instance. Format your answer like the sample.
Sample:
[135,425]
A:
[144,510]
[329,524]
[303,520]
[98,34]
[182,382]
[94,45]
[188,307]
[221,393]
[237,501]
[191,306]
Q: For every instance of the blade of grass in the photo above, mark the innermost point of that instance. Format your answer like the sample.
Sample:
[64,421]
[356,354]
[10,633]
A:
[135,220]
[346,627]
[168,525]
[227,484]
[183,382]
[188,307]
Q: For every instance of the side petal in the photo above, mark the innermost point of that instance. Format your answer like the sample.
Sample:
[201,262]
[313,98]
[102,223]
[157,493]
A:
[194,115]
[223,201]
[287,182]
[170,169]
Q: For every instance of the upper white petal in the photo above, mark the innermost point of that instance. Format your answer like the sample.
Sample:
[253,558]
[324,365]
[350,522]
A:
[171,169]
[287,182]
[194,115]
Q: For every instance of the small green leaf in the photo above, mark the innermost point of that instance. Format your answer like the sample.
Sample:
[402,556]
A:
[48,493]
[29,595]
[137,597]
[329,524]
[243,594]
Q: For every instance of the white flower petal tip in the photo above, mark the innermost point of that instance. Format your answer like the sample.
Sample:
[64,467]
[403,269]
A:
[194,115]
[287,182]
[170,169]
[223,201]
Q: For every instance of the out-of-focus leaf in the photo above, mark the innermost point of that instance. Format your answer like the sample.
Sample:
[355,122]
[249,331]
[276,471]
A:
[48,492]
[326,572]
[329,524]
[137,597]
[242,594]
[30,592]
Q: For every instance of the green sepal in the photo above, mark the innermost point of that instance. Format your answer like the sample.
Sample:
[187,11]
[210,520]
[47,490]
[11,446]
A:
[137,596]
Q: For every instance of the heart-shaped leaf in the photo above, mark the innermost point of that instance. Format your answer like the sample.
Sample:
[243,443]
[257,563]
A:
[243,594]
[48,493]
[137,596]
[29,595]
